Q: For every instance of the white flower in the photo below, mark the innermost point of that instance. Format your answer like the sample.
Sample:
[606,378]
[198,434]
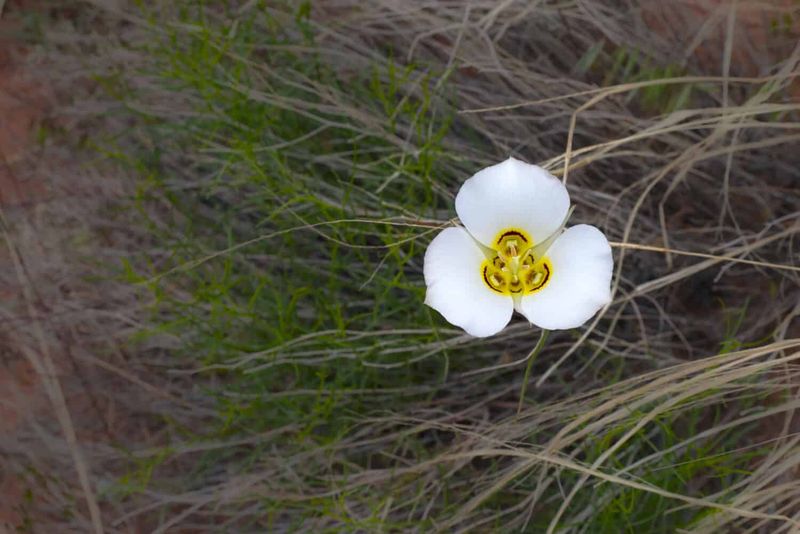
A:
[515,255]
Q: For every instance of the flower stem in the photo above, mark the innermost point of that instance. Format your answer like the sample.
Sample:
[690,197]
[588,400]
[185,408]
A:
[531,357]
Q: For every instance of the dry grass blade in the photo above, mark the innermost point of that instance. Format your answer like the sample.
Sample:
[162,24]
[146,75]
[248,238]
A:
[42,361]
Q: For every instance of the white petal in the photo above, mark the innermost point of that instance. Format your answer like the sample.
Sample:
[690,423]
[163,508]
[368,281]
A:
[512,194]
[579,283]
[456,289]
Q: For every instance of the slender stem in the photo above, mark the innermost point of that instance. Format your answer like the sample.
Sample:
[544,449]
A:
[531,357]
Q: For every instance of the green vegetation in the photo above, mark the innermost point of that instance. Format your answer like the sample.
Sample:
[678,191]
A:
[302,197]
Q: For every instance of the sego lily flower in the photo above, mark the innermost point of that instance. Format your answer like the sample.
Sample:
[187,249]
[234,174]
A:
[514,254]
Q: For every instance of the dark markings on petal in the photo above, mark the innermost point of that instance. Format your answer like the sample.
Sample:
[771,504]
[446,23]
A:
[486,279]
[544,279]
[511,232]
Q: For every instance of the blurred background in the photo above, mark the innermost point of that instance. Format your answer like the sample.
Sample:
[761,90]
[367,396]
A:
[214,215]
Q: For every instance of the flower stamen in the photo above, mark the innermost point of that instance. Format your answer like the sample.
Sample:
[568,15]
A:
[513,269]
[511,248]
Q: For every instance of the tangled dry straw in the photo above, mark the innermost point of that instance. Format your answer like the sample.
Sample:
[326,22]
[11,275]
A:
[673,136]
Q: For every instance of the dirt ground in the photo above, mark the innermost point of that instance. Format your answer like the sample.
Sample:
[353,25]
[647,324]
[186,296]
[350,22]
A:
[22,107]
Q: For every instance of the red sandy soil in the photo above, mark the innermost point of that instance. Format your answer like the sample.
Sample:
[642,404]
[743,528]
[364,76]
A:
[762,33]
[21,108]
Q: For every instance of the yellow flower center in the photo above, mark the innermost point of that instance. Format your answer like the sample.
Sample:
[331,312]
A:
[513,270]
